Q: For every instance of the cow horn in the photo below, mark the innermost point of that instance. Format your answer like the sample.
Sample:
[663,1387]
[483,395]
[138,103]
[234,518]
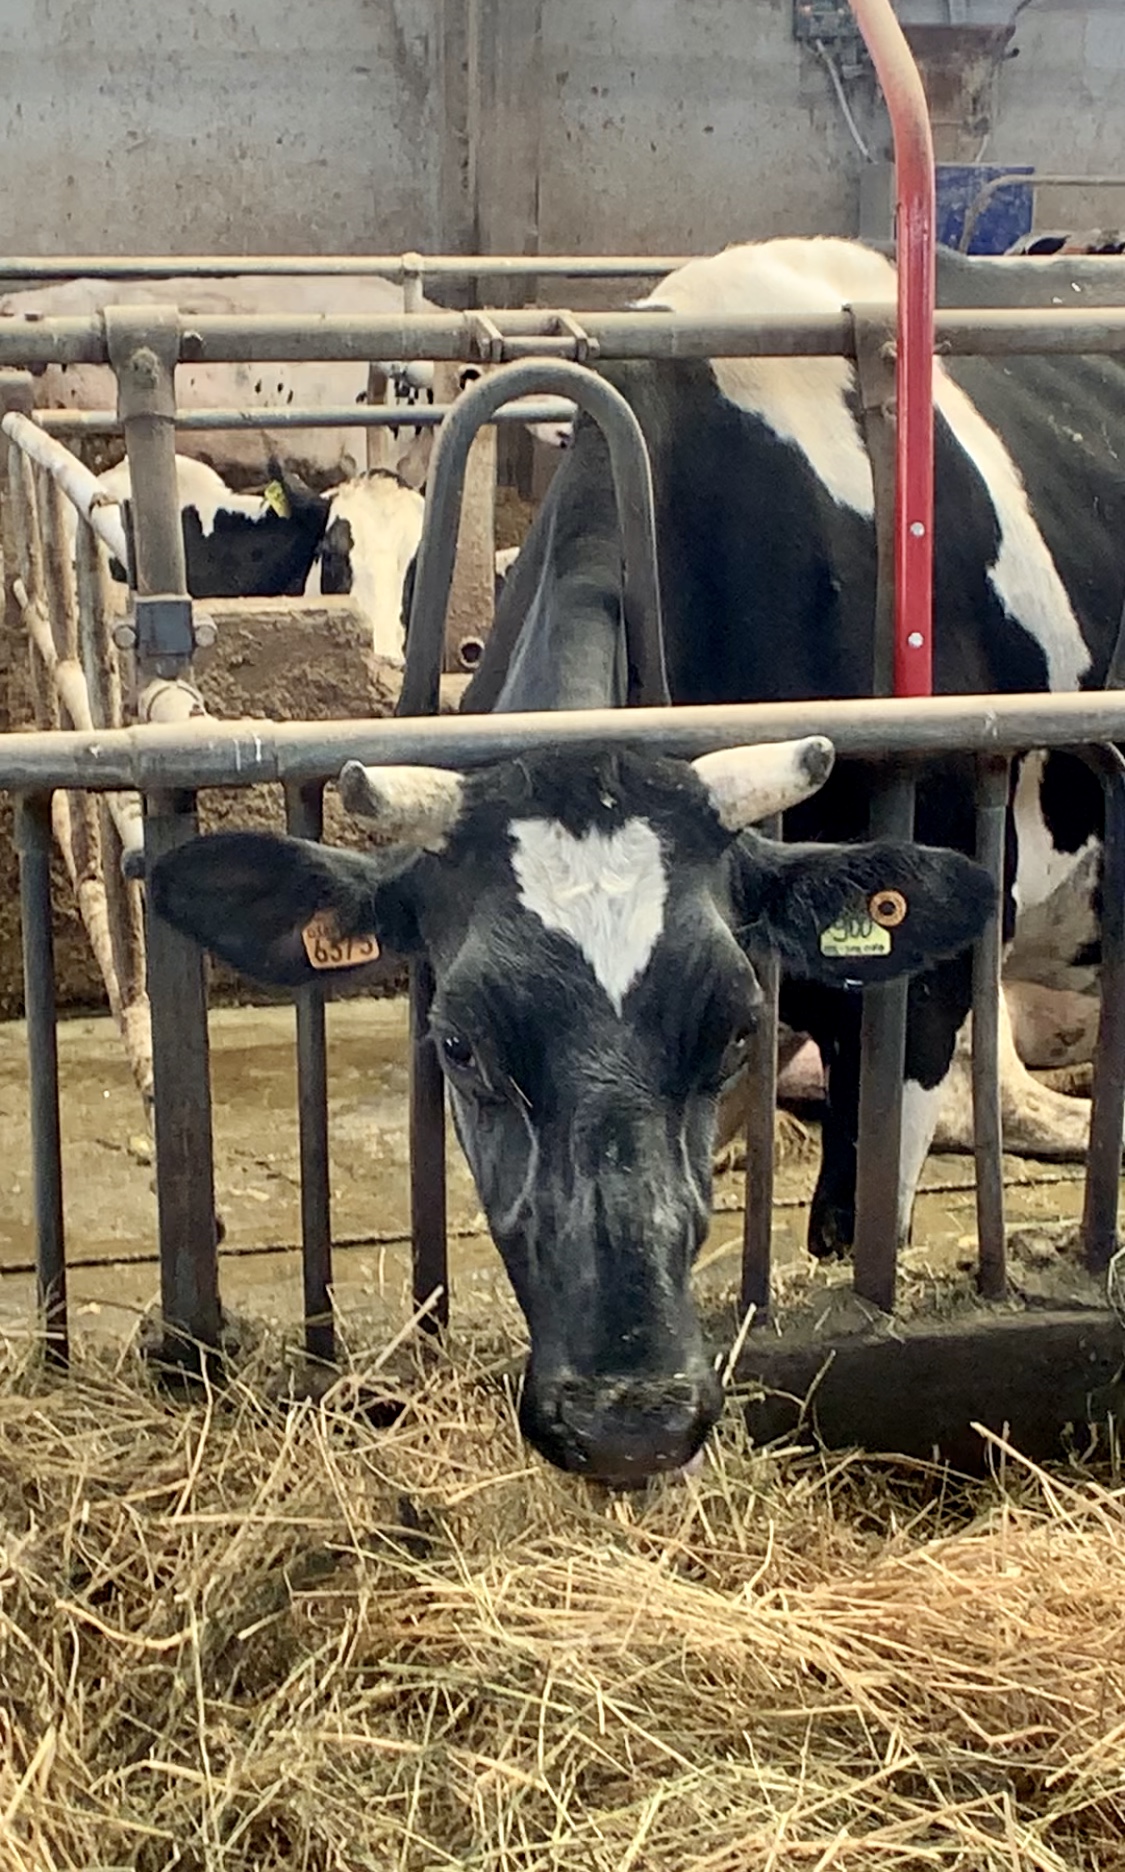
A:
[748,784]
[409,805]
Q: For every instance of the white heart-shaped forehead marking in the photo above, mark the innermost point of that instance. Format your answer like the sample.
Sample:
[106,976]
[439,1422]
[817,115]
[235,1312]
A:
[606,891]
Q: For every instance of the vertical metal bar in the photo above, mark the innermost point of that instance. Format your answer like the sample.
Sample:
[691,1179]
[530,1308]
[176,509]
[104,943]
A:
[761,1077]
[124,906]
[427,1154]
[33,832]
[883,1021]
[304,813]
[915,219]
[62,597]
[757,1221]
[1103,1161]
[144,345]
[16,393]
[883,1043]
[988,1137]
[185,1176]
[28,543]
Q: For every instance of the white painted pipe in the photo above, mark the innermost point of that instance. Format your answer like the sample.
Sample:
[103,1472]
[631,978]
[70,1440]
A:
[75,479]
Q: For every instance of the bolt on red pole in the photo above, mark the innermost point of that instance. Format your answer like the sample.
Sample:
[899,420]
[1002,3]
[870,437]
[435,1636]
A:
[915,216]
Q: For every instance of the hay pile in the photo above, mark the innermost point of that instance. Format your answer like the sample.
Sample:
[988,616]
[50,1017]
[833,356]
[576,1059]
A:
[236,1636]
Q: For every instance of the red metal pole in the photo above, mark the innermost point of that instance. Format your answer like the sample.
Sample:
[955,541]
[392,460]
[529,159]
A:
[914,444]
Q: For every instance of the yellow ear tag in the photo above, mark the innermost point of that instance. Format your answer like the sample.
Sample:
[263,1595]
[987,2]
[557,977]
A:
[276,497]
[327,949]
[855,934]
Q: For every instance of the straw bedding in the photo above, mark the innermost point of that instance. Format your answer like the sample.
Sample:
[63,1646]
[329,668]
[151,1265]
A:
[236,1635]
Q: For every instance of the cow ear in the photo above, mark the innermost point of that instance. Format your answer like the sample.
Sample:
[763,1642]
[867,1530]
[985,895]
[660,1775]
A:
[857,913]
[283,910]
[292,498]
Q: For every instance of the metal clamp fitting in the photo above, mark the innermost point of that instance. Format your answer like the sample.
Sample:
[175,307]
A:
[486,336]
[585,347]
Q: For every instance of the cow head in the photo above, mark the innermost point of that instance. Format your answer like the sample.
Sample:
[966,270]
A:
[591,922]
[370,530]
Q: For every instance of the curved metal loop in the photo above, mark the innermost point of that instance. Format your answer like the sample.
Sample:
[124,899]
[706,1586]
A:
[632,486]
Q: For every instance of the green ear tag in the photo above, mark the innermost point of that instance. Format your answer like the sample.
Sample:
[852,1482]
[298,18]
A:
[855,934]
[276,497]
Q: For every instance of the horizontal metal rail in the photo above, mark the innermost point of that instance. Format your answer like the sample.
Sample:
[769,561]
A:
[63,422]
[208,753]
[440,336]
[396,267]
[994,186]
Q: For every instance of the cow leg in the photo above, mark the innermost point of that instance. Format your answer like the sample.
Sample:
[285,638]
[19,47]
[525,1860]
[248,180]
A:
[937,1005]
[833,1020]
[1052,1027]
[1037,1121]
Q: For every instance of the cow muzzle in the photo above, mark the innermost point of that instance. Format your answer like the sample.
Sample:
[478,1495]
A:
[620,1431]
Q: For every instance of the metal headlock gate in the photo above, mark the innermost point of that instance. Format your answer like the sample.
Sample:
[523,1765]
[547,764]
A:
[168,765]
[896,1391]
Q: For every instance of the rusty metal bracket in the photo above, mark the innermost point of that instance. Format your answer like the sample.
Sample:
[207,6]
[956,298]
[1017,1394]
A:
[488,339]
[164,632]
[144,349]
[585,347]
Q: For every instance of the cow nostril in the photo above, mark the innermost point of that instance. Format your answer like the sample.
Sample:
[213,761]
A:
[470,652]
[621,1431]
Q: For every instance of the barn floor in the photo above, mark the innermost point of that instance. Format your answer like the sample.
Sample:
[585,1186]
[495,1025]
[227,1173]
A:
[111,1208]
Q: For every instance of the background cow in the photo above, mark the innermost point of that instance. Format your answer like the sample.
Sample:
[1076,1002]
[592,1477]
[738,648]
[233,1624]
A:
[235,545]
[324,455]
[359,539]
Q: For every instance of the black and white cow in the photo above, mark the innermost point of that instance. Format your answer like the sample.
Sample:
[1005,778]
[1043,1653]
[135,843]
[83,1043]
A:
[372,529]
[358,538]
[767,557]
[236,545]
[592,923]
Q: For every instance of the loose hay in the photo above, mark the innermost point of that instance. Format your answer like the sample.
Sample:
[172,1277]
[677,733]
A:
[235,1636]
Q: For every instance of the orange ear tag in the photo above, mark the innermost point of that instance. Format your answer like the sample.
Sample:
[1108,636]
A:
[887,908]
[327,949]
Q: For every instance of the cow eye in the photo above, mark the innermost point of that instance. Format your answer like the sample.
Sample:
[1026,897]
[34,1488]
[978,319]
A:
[457,1052]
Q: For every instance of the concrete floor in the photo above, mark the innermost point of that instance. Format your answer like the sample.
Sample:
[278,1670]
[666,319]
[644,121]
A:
[111,1210]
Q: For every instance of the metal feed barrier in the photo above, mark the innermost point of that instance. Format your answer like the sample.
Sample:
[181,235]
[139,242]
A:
[168,765]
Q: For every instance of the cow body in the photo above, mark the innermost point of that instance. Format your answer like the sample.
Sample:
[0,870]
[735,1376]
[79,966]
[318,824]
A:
[319,454]
[765,528]
[236,545]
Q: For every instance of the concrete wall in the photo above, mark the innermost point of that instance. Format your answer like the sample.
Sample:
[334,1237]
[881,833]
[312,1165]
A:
[376,124]
[676,125]
[1061,105]
[202,126]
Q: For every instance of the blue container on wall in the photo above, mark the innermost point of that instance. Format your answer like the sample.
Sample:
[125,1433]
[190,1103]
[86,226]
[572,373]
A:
[1005,220]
